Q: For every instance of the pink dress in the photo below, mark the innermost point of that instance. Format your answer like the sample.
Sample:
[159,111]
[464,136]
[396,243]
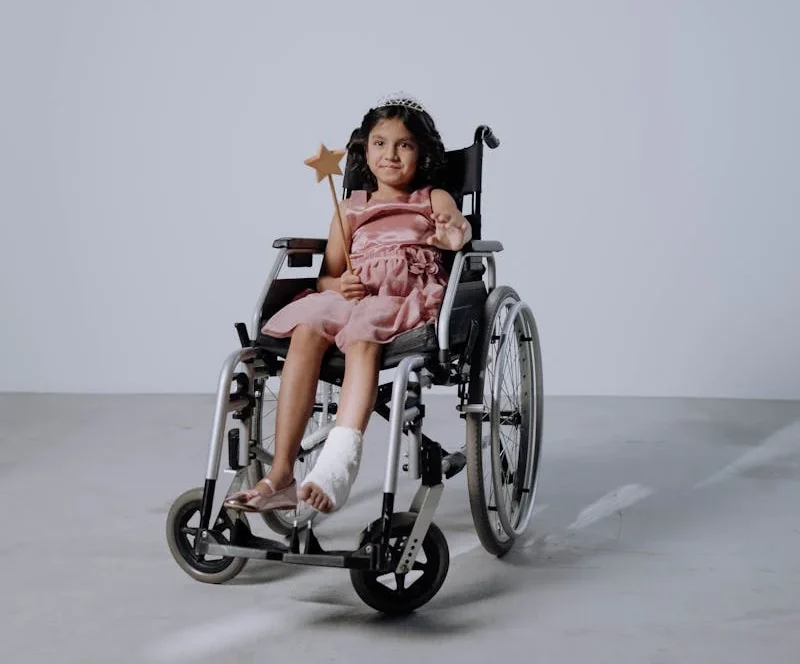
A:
[404,277]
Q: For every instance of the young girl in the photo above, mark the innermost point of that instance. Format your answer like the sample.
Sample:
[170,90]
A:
[394,231]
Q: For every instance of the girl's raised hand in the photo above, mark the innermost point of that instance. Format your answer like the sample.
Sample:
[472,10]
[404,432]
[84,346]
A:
[449,233]
[351,286]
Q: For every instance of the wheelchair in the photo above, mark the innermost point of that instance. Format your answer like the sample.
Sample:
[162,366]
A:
[484,344]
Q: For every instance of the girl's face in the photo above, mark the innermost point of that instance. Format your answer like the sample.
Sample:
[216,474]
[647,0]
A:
[392,154]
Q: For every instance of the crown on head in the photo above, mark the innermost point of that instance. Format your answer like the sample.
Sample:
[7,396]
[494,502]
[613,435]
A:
[401,99]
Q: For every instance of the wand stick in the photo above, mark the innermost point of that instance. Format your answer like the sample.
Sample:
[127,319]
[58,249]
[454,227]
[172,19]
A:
[326,164]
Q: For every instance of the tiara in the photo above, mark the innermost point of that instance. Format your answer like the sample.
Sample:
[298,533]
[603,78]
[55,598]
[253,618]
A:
[401,99]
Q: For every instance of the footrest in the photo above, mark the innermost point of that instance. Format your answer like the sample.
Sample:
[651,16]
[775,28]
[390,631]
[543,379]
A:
[260,548]
[248,546]
[340,559]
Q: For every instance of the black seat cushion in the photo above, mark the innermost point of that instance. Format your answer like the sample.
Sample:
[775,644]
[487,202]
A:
[421,340]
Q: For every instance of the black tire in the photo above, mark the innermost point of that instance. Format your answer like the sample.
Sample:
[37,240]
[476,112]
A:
[406,600]
[185,506]
[496,526]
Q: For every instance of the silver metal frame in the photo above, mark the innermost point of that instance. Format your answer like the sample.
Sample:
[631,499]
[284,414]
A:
[409,372]
[224,405]
[443,318]
[425,503]
[445,311]
[273,274]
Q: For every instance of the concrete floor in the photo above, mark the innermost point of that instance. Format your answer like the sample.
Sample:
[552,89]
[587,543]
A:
[667,531]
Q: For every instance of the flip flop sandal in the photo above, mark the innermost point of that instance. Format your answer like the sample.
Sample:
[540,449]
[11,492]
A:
[245,501]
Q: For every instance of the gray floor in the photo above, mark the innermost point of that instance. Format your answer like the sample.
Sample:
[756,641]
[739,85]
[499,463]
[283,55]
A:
[668,531]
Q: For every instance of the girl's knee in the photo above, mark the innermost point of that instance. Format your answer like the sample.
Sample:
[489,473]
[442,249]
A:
[307,337]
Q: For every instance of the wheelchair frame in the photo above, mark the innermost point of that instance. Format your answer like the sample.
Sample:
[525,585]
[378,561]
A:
[415,371]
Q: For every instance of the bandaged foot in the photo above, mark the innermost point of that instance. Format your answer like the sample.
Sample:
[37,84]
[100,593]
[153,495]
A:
[327,486]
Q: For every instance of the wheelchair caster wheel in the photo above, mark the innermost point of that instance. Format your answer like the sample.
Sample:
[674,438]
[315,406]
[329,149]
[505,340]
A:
[398,594]
[181,534]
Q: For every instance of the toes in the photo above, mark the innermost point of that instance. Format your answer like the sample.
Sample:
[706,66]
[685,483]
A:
[315,497]
[323,504]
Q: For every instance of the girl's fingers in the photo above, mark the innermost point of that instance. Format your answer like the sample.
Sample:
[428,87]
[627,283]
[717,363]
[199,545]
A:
[356,291]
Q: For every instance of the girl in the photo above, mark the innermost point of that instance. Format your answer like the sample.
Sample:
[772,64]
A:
[394,230]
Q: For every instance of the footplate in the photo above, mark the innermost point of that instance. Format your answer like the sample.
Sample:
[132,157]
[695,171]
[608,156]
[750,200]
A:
[311,553]
[246,545]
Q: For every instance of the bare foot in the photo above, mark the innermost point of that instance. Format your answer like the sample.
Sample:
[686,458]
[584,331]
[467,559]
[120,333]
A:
[315,497]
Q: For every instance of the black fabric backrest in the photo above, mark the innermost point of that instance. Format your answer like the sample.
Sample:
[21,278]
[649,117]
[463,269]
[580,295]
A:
[463,172]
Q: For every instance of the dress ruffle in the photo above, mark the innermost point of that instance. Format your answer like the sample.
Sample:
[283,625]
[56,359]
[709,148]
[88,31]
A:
[405,278]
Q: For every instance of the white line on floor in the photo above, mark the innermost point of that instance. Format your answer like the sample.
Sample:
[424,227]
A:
[611,503]
[463,545]
[538,509]
[783,443]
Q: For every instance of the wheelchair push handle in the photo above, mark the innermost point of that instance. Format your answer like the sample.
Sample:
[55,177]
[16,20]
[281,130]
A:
[484,133]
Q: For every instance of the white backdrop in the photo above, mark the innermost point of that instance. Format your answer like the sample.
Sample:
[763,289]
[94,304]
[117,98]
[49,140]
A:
[646,188]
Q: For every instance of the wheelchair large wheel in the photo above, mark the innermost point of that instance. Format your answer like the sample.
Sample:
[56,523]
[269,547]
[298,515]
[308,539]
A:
[399,594]
[282,521]
[504,441]
[181,533]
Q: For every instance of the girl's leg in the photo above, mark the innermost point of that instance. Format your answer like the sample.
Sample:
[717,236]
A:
[296,396]
[328,484]
[295,404]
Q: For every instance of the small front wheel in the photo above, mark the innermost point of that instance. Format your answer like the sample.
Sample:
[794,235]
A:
[398,594]
[183,522]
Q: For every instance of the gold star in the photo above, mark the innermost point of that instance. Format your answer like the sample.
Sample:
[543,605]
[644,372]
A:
[326,162]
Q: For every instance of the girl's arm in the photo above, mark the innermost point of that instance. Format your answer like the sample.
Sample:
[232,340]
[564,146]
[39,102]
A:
[453,230]
[333,262]
[334,275]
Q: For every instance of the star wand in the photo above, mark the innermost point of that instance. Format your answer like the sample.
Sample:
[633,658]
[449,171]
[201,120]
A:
[326,164]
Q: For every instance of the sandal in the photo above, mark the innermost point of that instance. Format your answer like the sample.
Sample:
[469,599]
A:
[253,500]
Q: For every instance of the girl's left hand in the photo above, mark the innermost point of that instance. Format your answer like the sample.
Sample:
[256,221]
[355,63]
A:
[449,233]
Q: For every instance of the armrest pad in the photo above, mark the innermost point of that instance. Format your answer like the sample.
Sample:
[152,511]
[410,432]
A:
[315,245]
[483,245]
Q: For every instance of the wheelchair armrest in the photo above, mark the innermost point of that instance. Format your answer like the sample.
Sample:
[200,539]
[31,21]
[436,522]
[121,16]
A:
[483,246]
[313,245]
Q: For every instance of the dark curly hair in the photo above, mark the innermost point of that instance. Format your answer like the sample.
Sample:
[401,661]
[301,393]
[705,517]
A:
[431,159]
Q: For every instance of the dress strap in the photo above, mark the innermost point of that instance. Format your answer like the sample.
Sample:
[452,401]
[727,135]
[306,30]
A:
[423,197]
[355,209]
